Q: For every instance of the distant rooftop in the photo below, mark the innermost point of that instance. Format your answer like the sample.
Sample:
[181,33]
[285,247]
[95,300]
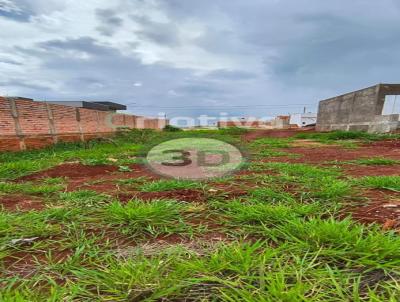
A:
[102,106]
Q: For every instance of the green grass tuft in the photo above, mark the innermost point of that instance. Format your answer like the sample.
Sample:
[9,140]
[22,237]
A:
[83,198]
[138,218]
[381,161]
[380,182]
[346,135]
[169,185]
[29,188]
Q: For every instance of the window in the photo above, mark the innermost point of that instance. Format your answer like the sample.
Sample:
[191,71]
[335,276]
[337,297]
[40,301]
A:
[392,105]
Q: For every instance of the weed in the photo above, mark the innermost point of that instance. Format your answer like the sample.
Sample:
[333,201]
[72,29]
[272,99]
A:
[24,225]
[137,218]
[132,181]
[376,161]
[380,182]
[169,185]
[346,135]
[170,128]
[340,241]
[124,169]
[29,188]
[272,196]
[83,198]
[257,213]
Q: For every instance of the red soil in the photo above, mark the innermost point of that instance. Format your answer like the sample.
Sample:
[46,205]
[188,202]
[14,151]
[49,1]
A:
[337,153]
[382,207]
[24,264]
[21,203]
[360,171]
[80,176]
[72,171]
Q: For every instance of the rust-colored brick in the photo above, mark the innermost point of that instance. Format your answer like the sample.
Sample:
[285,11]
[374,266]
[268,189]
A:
[26,124]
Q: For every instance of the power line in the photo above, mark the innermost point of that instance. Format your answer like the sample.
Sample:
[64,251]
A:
[222,106]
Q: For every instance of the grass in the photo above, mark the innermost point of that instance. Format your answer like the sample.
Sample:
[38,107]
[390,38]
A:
[169,185]
[380,182]
[160,217]
[376,161]
[285,240]
[270,195]
[84,198]
[346,135]
[29,188]
[16,164]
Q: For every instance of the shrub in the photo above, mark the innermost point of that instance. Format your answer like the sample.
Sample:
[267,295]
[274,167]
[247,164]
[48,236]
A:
[170,128]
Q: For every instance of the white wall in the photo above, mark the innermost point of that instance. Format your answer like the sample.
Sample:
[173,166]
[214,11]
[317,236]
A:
[392,105]
[303,119]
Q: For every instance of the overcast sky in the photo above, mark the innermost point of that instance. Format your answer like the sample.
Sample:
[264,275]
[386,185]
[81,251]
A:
[244,57]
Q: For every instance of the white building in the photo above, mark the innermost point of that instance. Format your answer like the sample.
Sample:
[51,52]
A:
[303,119]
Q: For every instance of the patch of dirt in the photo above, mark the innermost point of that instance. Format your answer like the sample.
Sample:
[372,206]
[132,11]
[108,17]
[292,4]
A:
[337,153]
[383,207]
[107,183]
[21,203]
[25,264]
[72,171]
[229,190]
[372,170]
[187,195]
[80,176]
[394,144]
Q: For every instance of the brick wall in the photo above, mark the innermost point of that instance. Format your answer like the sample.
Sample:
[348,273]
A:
[25,124]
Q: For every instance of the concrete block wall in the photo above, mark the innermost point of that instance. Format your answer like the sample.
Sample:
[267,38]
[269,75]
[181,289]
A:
[26,124]
[358,111]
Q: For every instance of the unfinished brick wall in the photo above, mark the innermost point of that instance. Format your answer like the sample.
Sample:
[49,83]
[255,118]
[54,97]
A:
[25,124]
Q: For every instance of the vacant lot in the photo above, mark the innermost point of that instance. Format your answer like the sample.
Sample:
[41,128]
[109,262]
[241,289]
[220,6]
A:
[310,217]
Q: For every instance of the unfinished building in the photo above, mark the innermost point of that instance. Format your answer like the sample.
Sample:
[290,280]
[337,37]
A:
[373,109]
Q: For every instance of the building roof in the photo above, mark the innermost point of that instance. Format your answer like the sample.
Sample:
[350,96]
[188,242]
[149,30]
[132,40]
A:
[112,105]
[102,106]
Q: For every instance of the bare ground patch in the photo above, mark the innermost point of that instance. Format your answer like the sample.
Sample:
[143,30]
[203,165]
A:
[17,202]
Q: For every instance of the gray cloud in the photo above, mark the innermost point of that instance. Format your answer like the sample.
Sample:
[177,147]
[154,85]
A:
[84,44]
[11,62]
[15,10]
[223,74]
[158,32]
[19,82]
[109,21]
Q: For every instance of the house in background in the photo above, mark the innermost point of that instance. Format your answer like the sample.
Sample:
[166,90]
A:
[303,119]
